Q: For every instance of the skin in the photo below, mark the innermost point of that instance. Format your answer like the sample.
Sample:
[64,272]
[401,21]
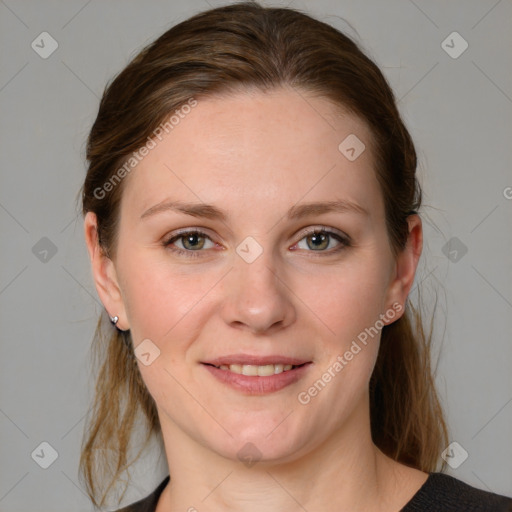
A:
[255,155]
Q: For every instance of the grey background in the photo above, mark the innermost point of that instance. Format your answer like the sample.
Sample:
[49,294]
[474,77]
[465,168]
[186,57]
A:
[459,112]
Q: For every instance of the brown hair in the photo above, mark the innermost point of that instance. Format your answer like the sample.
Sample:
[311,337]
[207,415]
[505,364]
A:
[219,51]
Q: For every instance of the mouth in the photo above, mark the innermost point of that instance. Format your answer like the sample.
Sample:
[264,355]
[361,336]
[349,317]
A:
[256,375]
[252,370]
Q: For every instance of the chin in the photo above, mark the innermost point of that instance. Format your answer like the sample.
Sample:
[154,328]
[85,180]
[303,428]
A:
[252,443]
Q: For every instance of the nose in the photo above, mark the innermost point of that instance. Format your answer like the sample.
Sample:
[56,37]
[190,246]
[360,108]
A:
[257,297]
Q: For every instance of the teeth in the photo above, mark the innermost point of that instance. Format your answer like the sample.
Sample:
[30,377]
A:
[253,370]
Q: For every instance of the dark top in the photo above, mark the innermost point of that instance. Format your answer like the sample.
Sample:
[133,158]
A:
[439,493]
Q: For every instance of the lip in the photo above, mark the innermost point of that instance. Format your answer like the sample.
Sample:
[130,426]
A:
[255,360]
[256,385]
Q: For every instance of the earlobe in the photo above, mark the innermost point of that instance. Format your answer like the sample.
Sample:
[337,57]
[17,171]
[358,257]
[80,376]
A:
[406,264]
[104,274]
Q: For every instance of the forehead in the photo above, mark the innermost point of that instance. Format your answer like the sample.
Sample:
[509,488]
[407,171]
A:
[258,149]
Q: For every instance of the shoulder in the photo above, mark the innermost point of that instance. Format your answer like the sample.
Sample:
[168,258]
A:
[442,492]
[149,503]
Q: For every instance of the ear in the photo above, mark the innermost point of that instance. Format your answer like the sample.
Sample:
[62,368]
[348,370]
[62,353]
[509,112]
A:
[104,273]
[405,266]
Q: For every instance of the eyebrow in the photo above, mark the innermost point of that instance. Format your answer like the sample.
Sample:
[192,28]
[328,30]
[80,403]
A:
[296,212]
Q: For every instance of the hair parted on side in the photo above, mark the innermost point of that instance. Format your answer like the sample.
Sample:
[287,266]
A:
[235,48]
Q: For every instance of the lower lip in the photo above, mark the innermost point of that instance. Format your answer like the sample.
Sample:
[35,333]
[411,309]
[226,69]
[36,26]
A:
[256,385]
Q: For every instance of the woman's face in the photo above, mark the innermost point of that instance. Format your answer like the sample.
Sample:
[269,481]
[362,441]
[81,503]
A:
[256,282]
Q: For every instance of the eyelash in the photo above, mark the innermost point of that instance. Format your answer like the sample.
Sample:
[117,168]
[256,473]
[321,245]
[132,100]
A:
[344,242]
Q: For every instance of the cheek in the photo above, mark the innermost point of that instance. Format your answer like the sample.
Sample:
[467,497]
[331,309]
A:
[347,302]
[345,299]
[156,296]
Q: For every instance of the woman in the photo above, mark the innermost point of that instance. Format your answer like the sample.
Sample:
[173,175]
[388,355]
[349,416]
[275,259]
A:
[251,216]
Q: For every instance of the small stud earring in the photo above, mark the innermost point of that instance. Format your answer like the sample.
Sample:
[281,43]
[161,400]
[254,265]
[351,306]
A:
[114,319]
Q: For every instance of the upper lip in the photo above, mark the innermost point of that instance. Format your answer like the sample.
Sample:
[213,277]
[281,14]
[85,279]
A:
[255,360]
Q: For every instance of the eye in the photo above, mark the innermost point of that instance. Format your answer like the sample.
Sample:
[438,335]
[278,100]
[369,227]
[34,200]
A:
[189,242]
[322,240]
